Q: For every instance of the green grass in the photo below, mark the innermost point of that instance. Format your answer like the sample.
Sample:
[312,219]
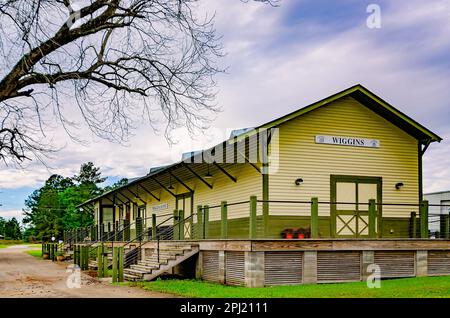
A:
[3,245]
[421,287]
[35,253]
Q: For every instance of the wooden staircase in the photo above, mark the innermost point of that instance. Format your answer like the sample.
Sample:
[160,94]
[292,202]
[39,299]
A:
[169,256]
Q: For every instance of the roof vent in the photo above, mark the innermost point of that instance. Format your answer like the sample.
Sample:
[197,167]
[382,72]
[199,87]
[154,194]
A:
[238,132]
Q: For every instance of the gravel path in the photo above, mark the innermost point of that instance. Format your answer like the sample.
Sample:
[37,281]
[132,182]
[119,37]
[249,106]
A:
[22,275]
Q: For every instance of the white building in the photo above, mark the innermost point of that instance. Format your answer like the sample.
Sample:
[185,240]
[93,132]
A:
[442,199]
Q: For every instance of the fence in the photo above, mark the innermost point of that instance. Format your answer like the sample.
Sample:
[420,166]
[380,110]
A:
[259,219]
[322,219]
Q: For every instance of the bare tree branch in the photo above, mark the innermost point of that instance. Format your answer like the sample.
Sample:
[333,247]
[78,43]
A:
[116,59]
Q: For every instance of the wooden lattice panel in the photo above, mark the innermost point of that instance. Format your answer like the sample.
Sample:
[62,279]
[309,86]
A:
[395,263]
[210,268]
[283,268]
[235,268]
[338,266]
[438,262]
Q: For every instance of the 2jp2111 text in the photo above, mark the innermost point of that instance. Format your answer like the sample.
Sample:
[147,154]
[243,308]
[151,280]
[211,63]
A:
[232,308]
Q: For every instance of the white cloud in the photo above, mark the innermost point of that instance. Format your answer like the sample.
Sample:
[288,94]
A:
[267,79]
[8,214]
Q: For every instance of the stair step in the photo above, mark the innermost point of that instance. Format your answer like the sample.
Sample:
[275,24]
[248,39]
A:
[144,267]
[130,277]
[136,272]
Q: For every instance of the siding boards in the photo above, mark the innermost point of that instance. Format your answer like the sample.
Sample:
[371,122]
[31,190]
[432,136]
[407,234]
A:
[395,263]
[210,270]
[283,268]
[235,268]
[438,262]
[299,156]
[338,266]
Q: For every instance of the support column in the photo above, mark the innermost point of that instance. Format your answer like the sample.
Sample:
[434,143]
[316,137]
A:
[181,224]
[199,266]
[206,221]
[115,265]
[310,267]
[413,222]
[121,263]
[199,232]
[100,273]
[176,232]
[368,258]
[444,225]
[372,218]
[224,220]
[421,263]
[139,228]
[253,227]
[154,233]
[314,217]
[221,267]
[254,269]
[424,219]
[126,231]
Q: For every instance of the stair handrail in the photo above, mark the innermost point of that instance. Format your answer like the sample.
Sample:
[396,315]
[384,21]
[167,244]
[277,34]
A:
[91,246]
[158,236]
[141,242]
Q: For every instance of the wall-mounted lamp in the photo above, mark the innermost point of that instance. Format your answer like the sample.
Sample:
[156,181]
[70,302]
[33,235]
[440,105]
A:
[399,185]
[299,181]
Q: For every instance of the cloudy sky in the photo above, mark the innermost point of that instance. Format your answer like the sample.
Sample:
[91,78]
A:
[278,60]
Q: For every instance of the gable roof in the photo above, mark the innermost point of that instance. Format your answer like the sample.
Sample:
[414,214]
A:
[373,102]
[358,92]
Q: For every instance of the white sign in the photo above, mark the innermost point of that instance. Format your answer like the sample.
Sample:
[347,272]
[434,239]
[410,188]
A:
[160,207]
[348,141]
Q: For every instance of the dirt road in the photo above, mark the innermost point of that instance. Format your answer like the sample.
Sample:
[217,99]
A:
[22,275]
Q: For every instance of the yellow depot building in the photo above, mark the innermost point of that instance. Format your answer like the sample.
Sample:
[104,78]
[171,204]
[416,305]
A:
[314,196]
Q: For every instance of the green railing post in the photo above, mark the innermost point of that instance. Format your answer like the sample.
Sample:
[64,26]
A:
[121,263]
[224,220]
[199,230]
[413,222]
[372,218]
[86,257]
[252,222]
[115,265]
[444,225]
[448,226]
[181,224]
[86,261]
[105,262]
[139,227]
[126,231]
[154,226]
[176,227]
[205,221]
[314,217]
[100,273]
[81,257]
[424,219]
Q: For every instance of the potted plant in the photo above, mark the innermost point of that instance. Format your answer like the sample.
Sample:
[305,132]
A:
[287,234]
[60,256]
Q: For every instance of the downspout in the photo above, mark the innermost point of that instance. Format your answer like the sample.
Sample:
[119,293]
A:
[265,184]
[421,153]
